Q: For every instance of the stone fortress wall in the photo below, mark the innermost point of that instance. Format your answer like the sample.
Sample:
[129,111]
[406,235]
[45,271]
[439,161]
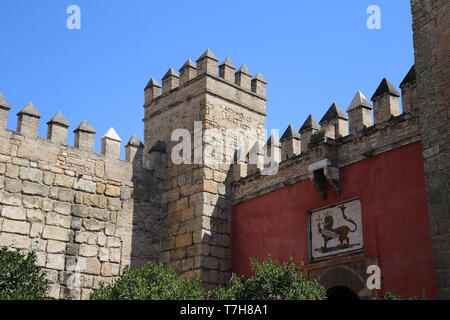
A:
[86,215]
[197,198]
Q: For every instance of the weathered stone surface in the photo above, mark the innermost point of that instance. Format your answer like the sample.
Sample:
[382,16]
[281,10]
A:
[10,199]
[62,208]
[110,229]
[125,193]
[66,195]
[79,210]
[56,247]
[76,223]
[55,219]
[12,171]
[183,240]
[103,254]
[14,241]
[100,188]
[14,213]
[56,233]
[112,191]
[89,265]
[34,189]
[49,178]
[30,202]
[63,181]
[34,215]
[93,225]
[114,255]
[13,226]
[31,174]
[114,204]
[36,229]
[113,242]
[88,250]
[12,185]
[85,185]
[55,261]
[46,205]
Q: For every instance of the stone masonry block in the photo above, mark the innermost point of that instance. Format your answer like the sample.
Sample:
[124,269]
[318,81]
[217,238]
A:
[14,213]
[34,189]
[93,225]
[12,185]
[112,191]
[62,208]
[85,185]
[89,265]
[57,247]
[55,261]
[31,174]
[56,233]
[12,171]
[59,220]
[35,215]
[79,210]
[184,240]
[110,229]
[63,181]
[19,227]
[88,250]
[10,199]
[114,255]
[210,186]
[36,230]
[14,241]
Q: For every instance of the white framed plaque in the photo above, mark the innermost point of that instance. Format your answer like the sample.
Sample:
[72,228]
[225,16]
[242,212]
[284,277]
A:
[335,230]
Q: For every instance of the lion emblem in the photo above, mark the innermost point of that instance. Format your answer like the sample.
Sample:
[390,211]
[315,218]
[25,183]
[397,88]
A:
[328,231]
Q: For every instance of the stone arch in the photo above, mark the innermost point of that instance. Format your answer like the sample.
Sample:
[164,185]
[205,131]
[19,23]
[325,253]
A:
[342,276]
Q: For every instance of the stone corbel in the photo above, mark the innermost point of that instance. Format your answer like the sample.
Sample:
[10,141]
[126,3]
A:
[323,172]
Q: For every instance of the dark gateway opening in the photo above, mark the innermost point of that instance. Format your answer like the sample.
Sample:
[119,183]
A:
[341,293]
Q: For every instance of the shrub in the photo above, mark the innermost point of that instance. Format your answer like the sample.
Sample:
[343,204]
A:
[272,280]
[390,295]
[20,277]
[151,282]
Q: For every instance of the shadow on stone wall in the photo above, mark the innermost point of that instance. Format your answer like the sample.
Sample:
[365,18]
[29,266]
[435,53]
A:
[146,212]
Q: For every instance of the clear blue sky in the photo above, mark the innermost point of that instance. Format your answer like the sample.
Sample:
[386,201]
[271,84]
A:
[312,53]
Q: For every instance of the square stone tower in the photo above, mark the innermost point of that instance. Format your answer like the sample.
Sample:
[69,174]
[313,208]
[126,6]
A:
[199,109]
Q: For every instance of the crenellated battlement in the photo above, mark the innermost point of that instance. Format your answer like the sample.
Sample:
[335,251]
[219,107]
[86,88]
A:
[179,213]
[318,150]
[206,76]
[28,120]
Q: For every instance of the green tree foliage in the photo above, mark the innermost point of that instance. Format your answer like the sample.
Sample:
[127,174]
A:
[20,277]
[390,295]
[272,281]
[151,282]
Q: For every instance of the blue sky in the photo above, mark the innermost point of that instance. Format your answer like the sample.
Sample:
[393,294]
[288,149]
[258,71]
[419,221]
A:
[312,53]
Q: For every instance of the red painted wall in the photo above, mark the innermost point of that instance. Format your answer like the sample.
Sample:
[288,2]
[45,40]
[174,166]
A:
[396,228]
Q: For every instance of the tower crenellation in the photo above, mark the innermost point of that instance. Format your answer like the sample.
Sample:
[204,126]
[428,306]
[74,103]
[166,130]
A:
[227,70]
[28,120]
[57,129]
[111,143]
[385,102]
[316,142]
[409,91]
[187,72]
[170,81]
[4,110]
[359,113]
